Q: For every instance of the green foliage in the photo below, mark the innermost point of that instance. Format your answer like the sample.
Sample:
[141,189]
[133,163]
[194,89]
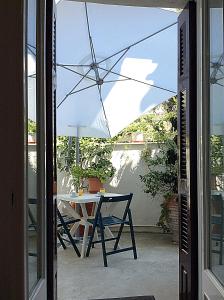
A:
[157,126]
[162,169]
[217,154]
[95,155]
[161,177]
[32,126]
[164,216]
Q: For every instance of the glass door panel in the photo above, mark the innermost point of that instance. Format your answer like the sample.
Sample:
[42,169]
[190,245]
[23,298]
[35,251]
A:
[216,141]
[32,203]
[35,152]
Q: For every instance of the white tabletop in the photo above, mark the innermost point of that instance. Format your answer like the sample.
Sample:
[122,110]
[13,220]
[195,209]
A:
[85,198]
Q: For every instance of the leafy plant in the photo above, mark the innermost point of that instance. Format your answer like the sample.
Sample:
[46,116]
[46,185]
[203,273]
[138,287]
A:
[32,126]
[162,170]
[157,126]
[217,161]
[161,177]
[95,156]
[217,154]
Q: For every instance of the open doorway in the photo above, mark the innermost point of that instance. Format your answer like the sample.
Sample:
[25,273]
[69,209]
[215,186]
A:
[157,263]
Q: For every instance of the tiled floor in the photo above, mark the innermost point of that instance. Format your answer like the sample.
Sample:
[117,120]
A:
[155,272]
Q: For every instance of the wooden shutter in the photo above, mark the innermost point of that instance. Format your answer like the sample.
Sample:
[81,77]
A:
[51,150]
[187,141]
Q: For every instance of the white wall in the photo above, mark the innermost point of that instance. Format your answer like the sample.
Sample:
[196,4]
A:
[126,158]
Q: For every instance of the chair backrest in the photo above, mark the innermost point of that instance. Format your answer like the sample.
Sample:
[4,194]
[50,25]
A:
[216,208]
[114,199]
[216,204]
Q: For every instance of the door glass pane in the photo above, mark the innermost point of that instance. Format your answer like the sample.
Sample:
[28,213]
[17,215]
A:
[32,155]
[216,140]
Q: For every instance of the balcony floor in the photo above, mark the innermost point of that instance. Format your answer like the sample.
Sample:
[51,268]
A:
[155,272]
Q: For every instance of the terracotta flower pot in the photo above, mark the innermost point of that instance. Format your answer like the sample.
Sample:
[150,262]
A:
[173,221]
[94,185]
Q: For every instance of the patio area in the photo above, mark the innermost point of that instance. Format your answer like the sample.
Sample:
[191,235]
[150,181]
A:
[155,272]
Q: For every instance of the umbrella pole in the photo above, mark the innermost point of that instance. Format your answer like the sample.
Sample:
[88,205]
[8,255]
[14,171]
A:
[77,147]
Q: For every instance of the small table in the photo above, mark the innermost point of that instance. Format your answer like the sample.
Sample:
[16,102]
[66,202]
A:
[82,201]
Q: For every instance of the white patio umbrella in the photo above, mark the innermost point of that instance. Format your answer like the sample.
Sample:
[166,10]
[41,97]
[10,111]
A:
[114,63]
[216,74]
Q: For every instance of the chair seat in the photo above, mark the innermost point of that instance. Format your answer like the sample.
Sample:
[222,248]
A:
[217,237]
[216,220]
[109,221]
[67,219]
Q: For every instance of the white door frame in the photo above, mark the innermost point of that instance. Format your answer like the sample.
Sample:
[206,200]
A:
[209,287]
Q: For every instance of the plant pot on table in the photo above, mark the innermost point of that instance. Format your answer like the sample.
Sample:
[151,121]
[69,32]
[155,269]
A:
[94,185]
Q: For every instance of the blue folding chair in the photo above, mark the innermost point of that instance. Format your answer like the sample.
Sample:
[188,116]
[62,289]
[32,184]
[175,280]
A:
[217,225]
[63,222]
[102,222]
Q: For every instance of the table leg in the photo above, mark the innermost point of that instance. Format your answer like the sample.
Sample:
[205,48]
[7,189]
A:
[85,239]
[74,228]
[86,228]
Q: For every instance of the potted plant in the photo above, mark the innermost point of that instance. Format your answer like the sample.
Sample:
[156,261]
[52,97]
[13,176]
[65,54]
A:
[96,173]
[94,164]
[162,177]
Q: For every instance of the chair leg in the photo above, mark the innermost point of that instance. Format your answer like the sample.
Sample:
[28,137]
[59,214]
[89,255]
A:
[103,242]
[118,236]
[91,240]
[68,234]
[96,238]
[61,241]
[72,241]
[221,244]
[84,242]
[132,234]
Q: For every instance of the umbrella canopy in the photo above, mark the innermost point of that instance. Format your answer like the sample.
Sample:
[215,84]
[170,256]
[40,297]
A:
[114,63]
[216,72]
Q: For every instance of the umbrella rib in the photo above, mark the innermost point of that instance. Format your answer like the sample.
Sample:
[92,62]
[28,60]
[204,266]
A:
[215,71]
[108,81]
[32,75]
[71,65]
[73,71]
[104,112]
[146,83]
[220,84]
[89,34]
[31,46]
[94,61]
[220,78]
[91,44]
[71,91]
[140,41]
[31,50]
[116,62]
[85,88]
[75,93]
